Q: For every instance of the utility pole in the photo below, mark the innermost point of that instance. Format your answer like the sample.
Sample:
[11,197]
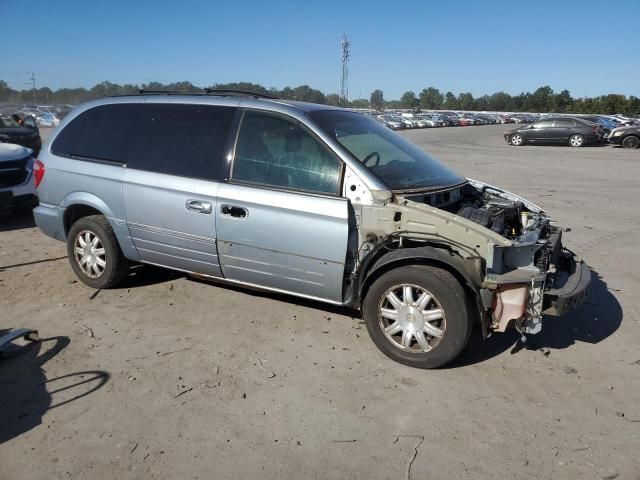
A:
[345,45]
[33,81]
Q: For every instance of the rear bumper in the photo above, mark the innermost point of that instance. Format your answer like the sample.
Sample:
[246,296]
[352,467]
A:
[49,218]
[570,293]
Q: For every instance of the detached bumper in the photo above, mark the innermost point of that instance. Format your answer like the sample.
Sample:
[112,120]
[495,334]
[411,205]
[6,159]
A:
[571,292]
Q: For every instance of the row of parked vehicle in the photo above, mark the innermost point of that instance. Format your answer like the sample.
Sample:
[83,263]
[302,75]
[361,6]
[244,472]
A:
[47,116]
[400,120]
[397,120]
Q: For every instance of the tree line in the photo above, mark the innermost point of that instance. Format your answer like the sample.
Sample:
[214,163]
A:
[543,99]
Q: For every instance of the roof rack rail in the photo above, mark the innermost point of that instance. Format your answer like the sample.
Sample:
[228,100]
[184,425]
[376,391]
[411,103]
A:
[208,91]
[221,91]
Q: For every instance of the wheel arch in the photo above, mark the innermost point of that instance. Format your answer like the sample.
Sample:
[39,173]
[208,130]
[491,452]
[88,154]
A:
[466,271]
[630,135]
[78,205]
[81,204]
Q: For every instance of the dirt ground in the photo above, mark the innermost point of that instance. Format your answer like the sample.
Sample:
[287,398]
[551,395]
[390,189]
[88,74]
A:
[172,378]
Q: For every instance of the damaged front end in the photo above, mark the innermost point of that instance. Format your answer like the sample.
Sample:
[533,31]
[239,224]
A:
[534,275]
[507,249]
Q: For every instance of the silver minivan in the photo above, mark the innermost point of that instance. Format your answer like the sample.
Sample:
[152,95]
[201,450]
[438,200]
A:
[303,199]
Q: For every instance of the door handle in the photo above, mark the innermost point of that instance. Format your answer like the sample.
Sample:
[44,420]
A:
[233,211]
[198,206]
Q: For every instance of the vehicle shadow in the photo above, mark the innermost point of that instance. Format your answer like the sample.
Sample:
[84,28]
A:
[26,393]
[596,319]
[281,297]
[142,275]
[9,221]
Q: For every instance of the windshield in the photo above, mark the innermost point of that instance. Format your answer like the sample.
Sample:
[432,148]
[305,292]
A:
[397,162]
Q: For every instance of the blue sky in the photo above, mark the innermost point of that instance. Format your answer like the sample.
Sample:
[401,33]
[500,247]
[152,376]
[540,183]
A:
[588,47]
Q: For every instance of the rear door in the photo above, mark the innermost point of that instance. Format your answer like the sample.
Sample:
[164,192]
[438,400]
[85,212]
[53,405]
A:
[541,131]
[280,220]
[171,181]
[562,129]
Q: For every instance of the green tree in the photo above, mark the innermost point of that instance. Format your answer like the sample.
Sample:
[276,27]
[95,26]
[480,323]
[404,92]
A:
[633,106]
[450,101]
[562,102]
[431,98]
[500,102]
[359,103]
[541,100]
[332,99]
[241,86]
[376,100]
[409,100]
[466,101]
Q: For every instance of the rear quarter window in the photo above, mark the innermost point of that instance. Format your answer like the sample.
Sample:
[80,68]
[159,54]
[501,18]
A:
[100,133]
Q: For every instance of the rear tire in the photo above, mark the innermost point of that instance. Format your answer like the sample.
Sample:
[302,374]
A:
[576,140]
[412,329]
[631,142]
[94,253]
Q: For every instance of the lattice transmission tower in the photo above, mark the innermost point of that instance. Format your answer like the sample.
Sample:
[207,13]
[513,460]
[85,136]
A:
[345,46]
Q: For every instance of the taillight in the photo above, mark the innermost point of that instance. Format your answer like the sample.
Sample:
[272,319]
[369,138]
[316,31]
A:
[38,172]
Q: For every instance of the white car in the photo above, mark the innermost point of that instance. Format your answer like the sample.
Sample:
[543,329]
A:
[17,191]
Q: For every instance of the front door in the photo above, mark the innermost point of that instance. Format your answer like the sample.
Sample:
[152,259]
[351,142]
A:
[280,221]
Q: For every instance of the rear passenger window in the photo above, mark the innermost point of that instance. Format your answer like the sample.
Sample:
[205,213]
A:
[99,133]
[179,139]
[272,150]
[564,123]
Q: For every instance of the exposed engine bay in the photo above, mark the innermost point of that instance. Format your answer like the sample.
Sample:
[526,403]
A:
[491,208]
[524,269]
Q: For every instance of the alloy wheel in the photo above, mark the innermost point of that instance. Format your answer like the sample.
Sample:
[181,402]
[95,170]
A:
[576,140]
[411,318]
[89,254]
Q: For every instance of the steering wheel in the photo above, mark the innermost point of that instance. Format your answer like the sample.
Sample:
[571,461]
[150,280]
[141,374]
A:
[370,156]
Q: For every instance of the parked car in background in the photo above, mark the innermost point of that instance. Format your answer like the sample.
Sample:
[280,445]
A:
[391,122]
[17,191]
[560,130]
[25,134]
[47,119]
[628,137]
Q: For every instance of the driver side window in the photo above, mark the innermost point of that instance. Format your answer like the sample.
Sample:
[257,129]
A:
[272,150]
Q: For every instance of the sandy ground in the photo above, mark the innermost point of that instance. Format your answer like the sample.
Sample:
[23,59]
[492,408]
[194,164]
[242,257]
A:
[169,377]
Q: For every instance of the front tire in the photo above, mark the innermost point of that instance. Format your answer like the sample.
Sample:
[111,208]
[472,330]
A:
[576,140]
[417,316]
[631,142]
[516,140]
[94,253]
